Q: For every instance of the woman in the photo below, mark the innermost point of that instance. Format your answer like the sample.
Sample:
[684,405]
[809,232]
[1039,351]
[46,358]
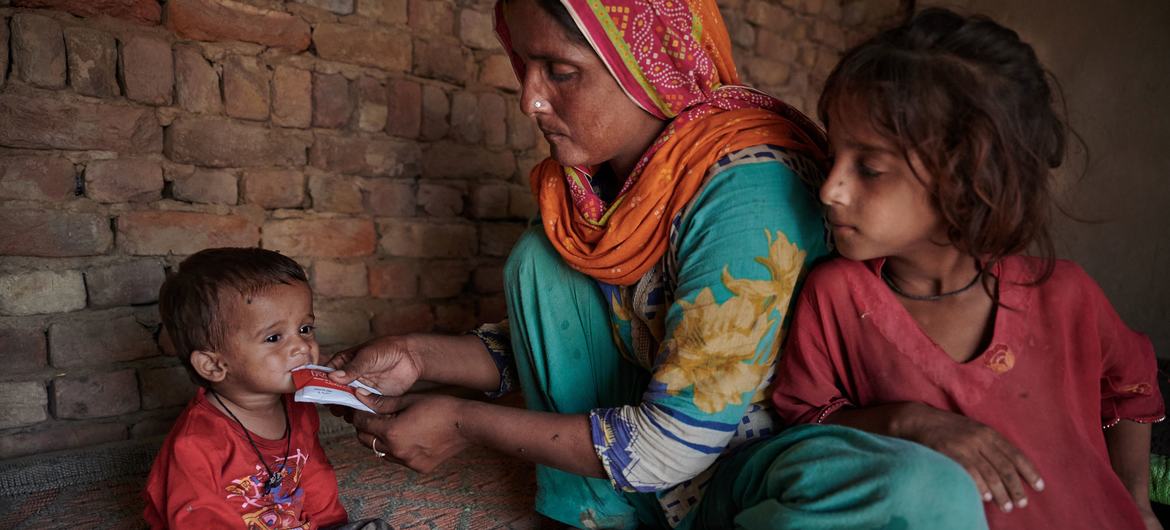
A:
[645,310]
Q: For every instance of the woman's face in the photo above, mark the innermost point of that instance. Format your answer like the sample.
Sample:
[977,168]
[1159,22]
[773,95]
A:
[584,114]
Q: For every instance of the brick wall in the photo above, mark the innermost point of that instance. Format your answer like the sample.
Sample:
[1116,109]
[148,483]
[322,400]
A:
[378,142]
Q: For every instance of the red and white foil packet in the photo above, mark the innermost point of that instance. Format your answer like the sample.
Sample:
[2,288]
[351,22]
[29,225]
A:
[314,386]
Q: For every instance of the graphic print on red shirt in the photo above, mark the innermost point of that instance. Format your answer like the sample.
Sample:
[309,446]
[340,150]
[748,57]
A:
[207,475]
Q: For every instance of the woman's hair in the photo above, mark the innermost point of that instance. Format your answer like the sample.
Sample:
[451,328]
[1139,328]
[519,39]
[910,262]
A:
[972,102]
[565,19]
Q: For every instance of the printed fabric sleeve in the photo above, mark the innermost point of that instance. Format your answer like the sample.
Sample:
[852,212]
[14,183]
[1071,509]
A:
[191,498]
[742,247]
[808,386]
[1129,377]
[498,340]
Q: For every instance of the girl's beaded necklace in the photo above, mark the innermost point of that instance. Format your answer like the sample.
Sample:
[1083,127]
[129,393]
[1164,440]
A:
[274,479]
[929,297]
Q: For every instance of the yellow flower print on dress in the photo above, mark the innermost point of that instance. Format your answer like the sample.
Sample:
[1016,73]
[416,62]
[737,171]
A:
[715,346]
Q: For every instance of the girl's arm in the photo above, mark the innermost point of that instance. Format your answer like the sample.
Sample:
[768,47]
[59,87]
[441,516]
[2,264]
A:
[1129,452]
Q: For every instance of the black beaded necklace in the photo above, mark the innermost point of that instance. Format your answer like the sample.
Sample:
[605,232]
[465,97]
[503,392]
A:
[274,479]
[929,297]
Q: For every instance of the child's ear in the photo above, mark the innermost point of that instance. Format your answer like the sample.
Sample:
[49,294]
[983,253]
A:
[209,365]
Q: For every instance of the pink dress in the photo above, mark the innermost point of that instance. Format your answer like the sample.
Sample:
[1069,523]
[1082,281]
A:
[1061,367]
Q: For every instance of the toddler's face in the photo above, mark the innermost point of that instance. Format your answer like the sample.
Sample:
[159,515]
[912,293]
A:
[875,203]
[270,333]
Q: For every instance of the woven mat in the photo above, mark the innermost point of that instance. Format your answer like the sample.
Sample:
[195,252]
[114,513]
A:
[478,489]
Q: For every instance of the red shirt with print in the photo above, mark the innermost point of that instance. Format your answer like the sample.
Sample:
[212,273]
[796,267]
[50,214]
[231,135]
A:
[207,475]
[1061,367]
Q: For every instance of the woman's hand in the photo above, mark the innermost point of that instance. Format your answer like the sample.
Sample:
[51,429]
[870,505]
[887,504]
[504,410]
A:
[419,431]
[1149,518]
[999,468]
[389,364]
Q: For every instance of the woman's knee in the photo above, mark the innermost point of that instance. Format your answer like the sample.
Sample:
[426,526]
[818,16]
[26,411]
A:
[531,253]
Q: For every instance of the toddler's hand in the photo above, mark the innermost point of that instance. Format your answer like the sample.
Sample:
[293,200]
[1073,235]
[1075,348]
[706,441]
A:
[999,468]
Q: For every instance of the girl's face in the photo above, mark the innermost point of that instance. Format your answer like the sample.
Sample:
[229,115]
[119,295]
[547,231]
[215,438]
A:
[875,203]
[584,114]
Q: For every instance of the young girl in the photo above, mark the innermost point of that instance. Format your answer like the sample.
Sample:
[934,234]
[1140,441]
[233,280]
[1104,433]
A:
[933,327]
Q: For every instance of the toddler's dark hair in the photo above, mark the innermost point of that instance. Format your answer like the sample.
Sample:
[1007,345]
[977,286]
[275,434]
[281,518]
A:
[971,100]
[191,301]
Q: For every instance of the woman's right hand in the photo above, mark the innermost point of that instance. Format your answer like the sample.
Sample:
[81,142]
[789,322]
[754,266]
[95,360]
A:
[389,364]
[999,468]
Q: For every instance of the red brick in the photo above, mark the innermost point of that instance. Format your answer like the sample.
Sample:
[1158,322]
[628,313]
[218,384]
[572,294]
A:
[25,403]
[140,11]
[496,71]
[496,239]
[207,186]
[224,20]
[389,198]
[292,104]
[56,437]
[339,7]
[95,396]
[521,129]
[449,160]
[129,283]
[24,346]
[384,50]
[93,62]
[340,327]
[50,123]
[337,238]
[53,234]
[38,50]
[393,279]
[441,58]
[444,279]
[493,111]
[334,193]
[433,16]
[148,70]
[123,180]
[383,11]
[419,239]
[182,233]
[40,292]
[490,201]
[492,308]
[457,317]
[401,319]
[335,280]
[245,88]
[196,82]
[404,116]
[489,279]
[217,142]
[99,341]
[274,188]
[440,201]
[435,110]
[166,387]
[331,102]
[767,14]
[37,178]
[521,203]
[477,30]
[3,50]
[766,72]
[776,46]
[369,156]
[466,123]
[154,427]
[371,104]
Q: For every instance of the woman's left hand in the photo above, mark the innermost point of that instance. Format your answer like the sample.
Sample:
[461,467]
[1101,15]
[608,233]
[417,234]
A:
[1149,518]
[420,431]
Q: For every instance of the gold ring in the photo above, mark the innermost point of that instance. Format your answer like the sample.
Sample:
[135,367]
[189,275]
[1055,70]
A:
[374,446]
